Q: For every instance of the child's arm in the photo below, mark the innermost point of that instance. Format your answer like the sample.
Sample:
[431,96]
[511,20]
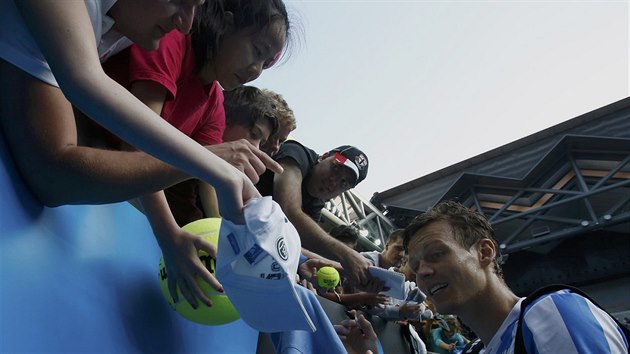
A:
[180,251]
[361,299]
[179,248]
[209,202]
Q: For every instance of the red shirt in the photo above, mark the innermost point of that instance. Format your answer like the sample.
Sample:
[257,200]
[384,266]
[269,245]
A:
[190,106]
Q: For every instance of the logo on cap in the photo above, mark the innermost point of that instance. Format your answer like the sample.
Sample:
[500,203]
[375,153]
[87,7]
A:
[360,161]
[281,248]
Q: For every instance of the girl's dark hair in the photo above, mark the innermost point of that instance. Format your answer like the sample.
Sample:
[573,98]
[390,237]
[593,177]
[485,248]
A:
[210,26]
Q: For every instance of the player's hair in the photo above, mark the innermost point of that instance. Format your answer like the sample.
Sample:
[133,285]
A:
[468,226]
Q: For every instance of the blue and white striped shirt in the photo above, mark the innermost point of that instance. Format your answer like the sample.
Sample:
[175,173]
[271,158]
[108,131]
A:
[560,322]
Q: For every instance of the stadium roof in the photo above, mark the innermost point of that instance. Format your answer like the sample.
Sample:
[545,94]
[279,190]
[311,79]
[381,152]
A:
[551,188]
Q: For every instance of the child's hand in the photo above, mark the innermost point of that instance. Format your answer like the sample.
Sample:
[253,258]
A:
[410,310]
[184,267]
[374,299]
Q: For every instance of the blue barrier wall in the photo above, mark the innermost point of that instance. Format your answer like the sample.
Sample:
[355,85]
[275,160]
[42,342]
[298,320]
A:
[84,279]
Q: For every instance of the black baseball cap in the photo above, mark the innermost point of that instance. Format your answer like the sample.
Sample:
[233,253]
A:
[352,158]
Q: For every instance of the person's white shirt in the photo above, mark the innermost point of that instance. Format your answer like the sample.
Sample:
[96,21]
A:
[18,47]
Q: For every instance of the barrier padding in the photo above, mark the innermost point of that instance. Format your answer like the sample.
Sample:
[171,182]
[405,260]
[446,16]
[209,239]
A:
[84,279]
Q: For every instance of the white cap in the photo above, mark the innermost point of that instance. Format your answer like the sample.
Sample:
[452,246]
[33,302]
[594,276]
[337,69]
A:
[257,266]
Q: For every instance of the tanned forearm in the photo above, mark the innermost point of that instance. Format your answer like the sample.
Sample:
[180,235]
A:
[314,238]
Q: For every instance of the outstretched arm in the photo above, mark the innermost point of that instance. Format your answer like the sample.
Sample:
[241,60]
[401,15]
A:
[287,191]
[358,299]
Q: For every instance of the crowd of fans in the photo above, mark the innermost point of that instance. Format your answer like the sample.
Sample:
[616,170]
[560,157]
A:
[181,136]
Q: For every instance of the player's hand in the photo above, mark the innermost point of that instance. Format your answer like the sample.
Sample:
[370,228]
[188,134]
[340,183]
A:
[246,158]
[357,335]
[183,266]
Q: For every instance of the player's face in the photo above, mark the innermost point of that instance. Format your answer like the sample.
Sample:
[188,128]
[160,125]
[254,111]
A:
[448,274]
[145,22]
[329,179]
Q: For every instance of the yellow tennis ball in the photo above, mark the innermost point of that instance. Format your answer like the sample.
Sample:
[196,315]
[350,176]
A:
[327,277]
[222,310]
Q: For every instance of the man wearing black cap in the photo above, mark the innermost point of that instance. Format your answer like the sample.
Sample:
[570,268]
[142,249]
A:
[308,181]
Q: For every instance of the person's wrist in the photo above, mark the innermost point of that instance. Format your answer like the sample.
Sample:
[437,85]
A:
[338,296]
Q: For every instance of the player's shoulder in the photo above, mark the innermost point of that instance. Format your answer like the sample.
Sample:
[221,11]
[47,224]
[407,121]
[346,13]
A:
[560,301]
[555,296]
[555,316]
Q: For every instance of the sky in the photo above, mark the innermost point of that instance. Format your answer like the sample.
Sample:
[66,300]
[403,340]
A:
[422,85]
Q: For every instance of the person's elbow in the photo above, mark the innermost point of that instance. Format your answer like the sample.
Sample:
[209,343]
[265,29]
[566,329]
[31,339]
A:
[52,198]
[77,84]
[54,192]
[295,215]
